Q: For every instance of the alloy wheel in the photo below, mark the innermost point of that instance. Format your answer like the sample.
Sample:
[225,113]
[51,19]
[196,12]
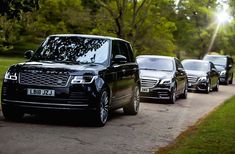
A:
[104,104]
[136,99]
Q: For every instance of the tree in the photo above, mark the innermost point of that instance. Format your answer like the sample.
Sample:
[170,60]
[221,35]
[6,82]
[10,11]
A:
[195,31]
[14,8]
[141,22]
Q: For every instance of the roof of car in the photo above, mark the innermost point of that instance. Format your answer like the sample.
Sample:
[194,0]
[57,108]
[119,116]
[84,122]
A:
[156,56]
[196,60]
[88,36]
[217,56]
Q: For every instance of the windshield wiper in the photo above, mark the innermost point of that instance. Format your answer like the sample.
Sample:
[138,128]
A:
[66,62]
[154,69]
[147,69]
[220,65]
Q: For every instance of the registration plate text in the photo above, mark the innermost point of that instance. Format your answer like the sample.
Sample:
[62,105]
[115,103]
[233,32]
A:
[41,92]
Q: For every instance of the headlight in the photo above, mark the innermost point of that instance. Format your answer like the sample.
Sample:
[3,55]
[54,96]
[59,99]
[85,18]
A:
[10,76]
[166,81]
[83,79]
[222,72]
[202,79]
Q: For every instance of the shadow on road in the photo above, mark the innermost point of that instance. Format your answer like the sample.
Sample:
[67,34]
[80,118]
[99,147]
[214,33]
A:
[157,101]
[65,119]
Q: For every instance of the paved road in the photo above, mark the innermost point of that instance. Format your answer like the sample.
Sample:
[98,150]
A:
[156,125]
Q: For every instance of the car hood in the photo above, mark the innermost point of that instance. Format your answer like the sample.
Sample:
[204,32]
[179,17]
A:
[155,74]
[219,68]
[72,69]
[196,73]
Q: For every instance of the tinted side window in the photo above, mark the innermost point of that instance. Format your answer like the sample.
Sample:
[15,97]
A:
[212,66]
[124,50]
[178,64]
[130,51]
[230,61]
[115,48]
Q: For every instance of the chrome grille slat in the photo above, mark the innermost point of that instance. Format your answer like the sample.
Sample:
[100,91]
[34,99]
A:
[44,79]
[149,83]
[192,79]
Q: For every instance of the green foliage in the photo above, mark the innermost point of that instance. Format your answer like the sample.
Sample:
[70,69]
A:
[13,8]
[193,22]
[152,26]
[9,33]
[215,134]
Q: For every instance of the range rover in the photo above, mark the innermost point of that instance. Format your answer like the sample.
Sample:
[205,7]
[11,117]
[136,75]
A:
[162,77]
[72,72]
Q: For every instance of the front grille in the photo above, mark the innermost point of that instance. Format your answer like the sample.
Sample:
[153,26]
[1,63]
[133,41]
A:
[163,94]
[192,79]
[44,79]
[4,91]
[150,83]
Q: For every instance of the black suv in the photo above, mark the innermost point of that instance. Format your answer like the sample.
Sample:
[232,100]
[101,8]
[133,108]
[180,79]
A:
[162,77]
[73,73]
[223,64]
[202,75]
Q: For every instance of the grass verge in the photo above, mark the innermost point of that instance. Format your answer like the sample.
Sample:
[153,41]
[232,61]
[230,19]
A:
[214,134]
[5,63]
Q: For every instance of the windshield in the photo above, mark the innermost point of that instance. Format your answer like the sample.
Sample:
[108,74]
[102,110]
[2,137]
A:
[150,63]
[73,49]
[196,66]
[217,60]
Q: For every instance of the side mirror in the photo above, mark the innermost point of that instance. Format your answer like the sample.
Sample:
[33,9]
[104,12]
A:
[181,70]
[119,59]
[28,54]
[214,69]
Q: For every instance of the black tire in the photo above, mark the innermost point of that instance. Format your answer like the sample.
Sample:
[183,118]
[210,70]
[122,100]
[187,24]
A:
[216,88]
[172,99]
[101,114]
[208,88]
[133,107]
[226,82]
[185,93]
[231,80]
[12,114]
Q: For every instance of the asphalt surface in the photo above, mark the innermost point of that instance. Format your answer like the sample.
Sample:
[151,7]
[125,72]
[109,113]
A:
[155,126]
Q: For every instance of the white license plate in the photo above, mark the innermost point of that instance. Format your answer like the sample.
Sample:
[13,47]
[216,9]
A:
[41,92]
[144,90]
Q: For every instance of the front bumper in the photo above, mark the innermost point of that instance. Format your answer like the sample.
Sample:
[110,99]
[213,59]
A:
[156,93]
[70,98]
[223,79]
[198,86]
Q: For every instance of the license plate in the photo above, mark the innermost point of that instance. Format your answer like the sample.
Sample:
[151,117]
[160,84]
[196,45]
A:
[41,92]
[144,90]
